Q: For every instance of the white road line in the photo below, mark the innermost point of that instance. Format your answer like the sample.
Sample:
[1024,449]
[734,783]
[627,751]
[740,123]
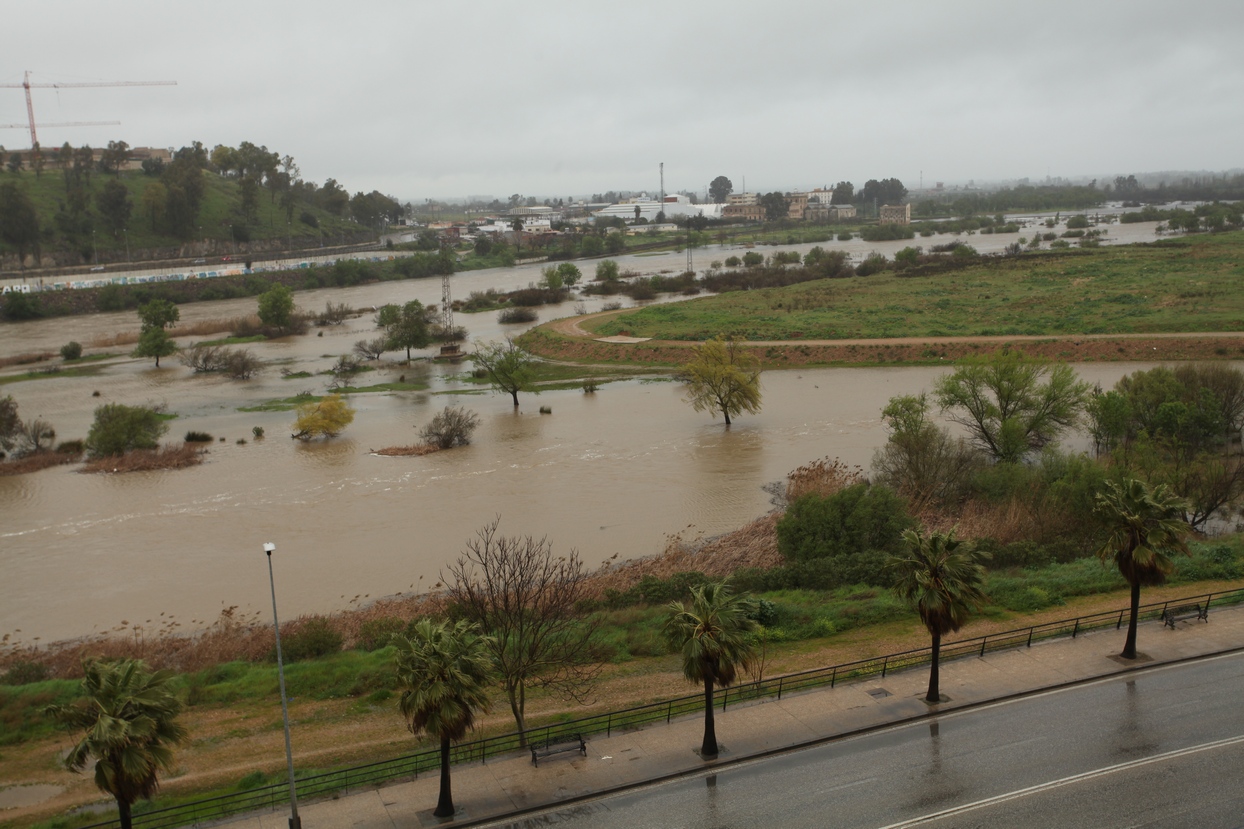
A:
[1065,781]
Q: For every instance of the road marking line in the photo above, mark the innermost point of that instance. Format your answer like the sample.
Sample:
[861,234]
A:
[1065,781]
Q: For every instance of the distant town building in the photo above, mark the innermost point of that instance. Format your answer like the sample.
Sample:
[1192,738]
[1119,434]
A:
[894,214]
[797,205]
[742,198]
[823,211]
[746,212]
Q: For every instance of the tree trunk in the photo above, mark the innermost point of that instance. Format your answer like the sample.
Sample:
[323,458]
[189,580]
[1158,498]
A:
[123,813]
[726,414]
[518,699]
[934,694]
[1129,647]
[445,805]
[708,748]
[514,394]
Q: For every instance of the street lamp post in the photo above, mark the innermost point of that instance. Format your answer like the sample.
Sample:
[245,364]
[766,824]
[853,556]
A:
[295,822]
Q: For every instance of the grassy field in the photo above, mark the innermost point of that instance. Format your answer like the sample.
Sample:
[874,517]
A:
[1191,284]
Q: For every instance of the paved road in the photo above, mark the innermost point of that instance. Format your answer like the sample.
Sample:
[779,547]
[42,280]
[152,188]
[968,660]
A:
[1163,747]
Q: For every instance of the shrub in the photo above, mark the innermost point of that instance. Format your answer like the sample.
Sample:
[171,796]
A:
[859,518]
[874,263]
[198,437]
[513,315]
[119,429]
[752,259]
[71,350]
[25,673]
[845,236]
[451,427]
[375,634]
[733,261]
[310,638]
[242,364]
[70,447]
[257,431]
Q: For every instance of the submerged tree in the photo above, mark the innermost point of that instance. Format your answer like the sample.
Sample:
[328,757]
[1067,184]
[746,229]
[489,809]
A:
[713,635]
[530,602]
[1146,526]
[323,418]
[940,576]
[723,377]
[444,672]
[129,716]
[1012,404]
[509,368]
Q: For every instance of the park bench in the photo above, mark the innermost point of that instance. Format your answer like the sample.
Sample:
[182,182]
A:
[1186,611]
[559,745]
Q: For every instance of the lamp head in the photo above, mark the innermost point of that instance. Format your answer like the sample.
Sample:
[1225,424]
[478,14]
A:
[269,547]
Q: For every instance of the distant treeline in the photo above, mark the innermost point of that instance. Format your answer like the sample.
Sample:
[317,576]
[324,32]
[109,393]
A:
[1081,197]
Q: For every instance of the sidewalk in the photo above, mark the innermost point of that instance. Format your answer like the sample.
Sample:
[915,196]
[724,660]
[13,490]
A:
[508,785]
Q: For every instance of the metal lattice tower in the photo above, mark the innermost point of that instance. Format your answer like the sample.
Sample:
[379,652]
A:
[447,305]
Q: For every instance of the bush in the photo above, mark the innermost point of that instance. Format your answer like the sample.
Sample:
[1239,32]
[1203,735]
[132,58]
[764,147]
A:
[310,638]
[198,437]
[242,364]
[859,518]
[71,350]
[845,236]
[513,315]
[752,259]
[874,263]
[119,429]
[375,634]
[451,427]
[25,673]
[733,261]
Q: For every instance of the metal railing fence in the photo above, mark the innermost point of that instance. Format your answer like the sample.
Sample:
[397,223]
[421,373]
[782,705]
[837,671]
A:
[274,797]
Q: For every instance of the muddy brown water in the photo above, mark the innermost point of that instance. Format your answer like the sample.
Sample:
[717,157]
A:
[614,473]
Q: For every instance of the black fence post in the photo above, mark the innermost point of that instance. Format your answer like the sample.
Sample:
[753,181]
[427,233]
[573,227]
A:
[984,639]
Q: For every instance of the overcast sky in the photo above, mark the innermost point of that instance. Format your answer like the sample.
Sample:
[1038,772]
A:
[449,99]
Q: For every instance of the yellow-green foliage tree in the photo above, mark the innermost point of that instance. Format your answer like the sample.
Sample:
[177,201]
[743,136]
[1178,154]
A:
[324,418]
[723,377]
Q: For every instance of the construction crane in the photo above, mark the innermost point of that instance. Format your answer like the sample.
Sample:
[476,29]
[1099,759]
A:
[30,108]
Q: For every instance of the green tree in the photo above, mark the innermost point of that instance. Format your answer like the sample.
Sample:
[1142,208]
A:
[10,423]
[510,369]
[155,200]
[844,193]
[921,460]
[713,636]
[154,342]
[276,307]
[158,313]
[129,716]
[607,271]
[118,429]
[1145,526]
[615,243]
[112,159]
[115,206]
[776,205]
[941,577]
[444,671]
[1011,404]
[569,273]
[886,191]
[19,220]
[723,377]
[408,327]
[719,188]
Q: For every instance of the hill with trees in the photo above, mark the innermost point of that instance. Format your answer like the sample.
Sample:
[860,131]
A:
[75,206]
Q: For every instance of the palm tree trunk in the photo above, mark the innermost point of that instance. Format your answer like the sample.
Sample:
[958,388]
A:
[934,694]
[709,747]
[123,812]
[445,805]
[1129,647]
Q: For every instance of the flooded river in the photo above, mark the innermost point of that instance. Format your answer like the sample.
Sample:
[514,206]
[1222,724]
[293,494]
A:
[614,473]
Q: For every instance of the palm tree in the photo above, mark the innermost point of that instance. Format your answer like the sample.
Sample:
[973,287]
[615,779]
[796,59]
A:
[940,576]
[1145,526]
[713,636]
[445,671]
[128,714]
